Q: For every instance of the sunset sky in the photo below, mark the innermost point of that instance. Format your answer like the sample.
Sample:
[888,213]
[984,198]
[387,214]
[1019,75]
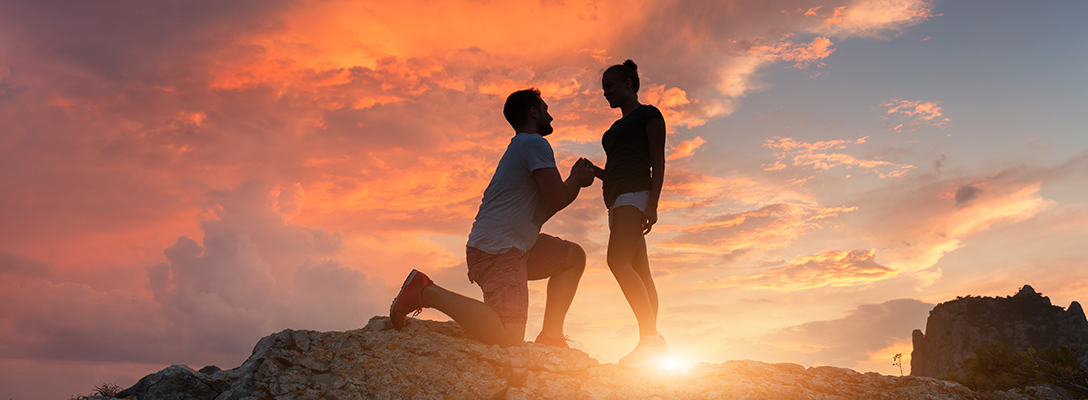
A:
[182,178]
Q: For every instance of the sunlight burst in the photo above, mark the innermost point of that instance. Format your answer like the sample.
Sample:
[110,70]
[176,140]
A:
[672,362]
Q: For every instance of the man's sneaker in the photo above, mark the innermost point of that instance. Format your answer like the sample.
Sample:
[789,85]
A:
[648,351]
[551,341]
[410,299]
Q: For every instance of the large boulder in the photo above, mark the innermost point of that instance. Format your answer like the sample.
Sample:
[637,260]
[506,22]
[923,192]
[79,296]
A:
[1025,320]
[177,382]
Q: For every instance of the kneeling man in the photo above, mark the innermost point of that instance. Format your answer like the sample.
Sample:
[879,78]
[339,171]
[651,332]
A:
[506,249]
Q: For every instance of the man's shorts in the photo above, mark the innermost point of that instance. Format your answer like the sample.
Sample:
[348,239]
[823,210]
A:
[504,278]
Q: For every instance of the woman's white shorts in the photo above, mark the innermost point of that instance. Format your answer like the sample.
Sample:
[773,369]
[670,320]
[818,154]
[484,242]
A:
[638,199]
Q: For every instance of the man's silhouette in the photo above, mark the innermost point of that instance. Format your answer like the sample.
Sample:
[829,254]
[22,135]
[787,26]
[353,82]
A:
[506,249]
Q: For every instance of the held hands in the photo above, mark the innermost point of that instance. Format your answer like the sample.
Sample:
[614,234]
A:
[582,172]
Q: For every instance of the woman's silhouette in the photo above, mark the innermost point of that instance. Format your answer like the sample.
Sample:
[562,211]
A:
[632,177]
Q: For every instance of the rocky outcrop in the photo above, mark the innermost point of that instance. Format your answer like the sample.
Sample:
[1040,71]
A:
[1026,320]
[437,360]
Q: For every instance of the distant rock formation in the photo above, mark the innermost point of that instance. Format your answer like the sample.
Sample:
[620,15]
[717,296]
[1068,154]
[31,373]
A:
[438,360]
[956,328]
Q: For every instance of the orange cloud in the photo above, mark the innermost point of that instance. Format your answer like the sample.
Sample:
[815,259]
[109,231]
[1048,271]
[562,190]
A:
[686,148]
[812,11]
[672,104]
[916,113]
[832,268]
[818,156]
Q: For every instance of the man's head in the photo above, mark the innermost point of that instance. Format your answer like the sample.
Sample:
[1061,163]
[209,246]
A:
[527,112]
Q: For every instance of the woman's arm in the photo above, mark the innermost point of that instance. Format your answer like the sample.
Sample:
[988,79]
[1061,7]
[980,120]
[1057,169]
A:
[655,136]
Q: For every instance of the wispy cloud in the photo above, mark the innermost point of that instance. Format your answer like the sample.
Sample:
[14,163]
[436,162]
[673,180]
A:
[917,230]
[802,55]
[688,188]
[821,156]
[832,268]
[913,114]
[870,18]
[768,228]
[685,149]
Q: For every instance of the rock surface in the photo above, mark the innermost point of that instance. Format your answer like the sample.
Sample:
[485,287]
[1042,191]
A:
[438,360]
[956,328]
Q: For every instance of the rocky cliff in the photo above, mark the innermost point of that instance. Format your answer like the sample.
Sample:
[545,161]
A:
[956,328]
[437,360]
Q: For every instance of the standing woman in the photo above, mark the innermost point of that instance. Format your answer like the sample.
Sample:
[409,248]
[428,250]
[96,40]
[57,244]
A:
[632,180]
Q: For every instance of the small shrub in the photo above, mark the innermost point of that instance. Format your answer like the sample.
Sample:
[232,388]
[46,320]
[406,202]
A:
[998,367]
[108,389]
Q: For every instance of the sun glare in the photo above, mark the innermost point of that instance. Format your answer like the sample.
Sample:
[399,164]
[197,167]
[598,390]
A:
[674,362]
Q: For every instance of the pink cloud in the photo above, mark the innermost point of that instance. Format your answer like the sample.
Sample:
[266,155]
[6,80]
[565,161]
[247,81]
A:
[812,11]
[819,155]
[801,55]
[871,18]
[916,113]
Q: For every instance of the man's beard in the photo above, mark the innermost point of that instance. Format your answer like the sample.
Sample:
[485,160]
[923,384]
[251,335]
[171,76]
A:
[544,128]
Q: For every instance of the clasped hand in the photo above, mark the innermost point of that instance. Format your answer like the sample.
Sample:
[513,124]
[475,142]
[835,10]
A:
[582,171]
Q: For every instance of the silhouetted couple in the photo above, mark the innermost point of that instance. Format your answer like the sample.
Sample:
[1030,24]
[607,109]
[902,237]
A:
[506,248]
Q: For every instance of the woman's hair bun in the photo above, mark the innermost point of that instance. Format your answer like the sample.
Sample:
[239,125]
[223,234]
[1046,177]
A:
[630,64]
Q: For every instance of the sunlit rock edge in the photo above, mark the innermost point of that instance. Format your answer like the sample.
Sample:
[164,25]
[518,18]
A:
[438,360]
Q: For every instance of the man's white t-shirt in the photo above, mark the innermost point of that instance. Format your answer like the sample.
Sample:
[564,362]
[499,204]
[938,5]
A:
[513,208]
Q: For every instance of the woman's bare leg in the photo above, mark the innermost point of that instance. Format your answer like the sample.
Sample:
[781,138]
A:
[624,244]
[641,264]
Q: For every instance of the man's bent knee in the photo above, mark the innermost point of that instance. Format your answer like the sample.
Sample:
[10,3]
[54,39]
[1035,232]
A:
[576,258]
[514,335]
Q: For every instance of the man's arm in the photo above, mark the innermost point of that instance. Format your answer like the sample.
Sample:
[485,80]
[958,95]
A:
[559,193]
